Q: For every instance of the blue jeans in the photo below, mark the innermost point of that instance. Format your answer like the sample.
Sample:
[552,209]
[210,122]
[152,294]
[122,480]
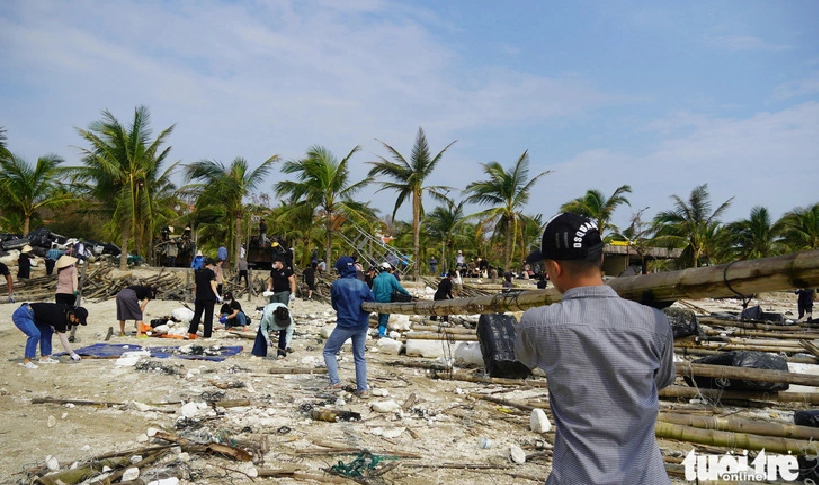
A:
[333,345]
[383,318]
[23,319]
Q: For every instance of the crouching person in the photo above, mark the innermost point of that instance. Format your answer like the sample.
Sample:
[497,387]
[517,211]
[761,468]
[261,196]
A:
[39,321]
[275,318]
[231,313]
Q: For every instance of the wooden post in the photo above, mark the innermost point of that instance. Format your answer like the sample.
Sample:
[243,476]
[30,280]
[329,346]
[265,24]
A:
[798,270]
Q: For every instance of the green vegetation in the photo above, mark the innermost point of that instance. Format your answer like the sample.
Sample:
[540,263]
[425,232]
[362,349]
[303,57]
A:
[123,191]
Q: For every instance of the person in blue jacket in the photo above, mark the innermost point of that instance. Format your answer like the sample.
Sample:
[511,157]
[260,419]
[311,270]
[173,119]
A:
[383,286]
[346,296]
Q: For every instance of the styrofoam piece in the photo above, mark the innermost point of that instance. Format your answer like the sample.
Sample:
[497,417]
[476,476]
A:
[183,314]
[539,422]
[464,352]
[389,346]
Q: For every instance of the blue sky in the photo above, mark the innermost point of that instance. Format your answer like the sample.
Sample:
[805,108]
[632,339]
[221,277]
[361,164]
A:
[663,96]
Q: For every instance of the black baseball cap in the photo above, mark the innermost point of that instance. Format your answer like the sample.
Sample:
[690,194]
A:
[569,237]
[82,314]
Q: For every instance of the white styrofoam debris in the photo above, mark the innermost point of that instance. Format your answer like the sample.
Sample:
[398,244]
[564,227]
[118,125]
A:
[395,335]
[52,463]
[379,392]
[389,346]
[399,323]
[129,359]
[130,474]
[165,481]
[182,314]
[465,352]
[392,432]
[189,410]
[326,331]
[51,421]
[517,455]
[539,422]
[386,407]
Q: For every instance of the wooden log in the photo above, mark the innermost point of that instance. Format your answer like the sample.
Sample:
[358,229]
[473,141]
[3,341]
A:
[751,325]
[439,336]
[798,270]
[810,347]
[682,392]
[761,334]
[745,374]
[732,347]
[762,428]
[743,441]
[491,380]
[434,329]
[792,358]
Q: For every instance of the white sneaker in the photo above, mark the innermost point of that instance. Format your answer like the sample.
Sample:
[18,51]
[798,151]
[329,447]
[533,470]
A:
[48,360]
[29,365]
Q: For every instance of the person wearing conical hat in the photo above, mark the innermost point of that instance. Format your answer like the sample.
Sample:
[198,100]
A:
[67,281]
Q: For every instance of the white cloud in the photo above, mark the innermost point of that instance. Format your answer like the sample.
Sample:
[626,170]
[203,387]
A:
[769,159]
[801,87]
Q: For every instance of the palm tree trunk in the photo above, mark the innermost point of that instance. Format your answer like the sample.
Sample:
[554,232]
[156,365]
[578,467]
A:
[237,240]
[416,233]
[123,258]
[507,251]
[328,252]
[26,226]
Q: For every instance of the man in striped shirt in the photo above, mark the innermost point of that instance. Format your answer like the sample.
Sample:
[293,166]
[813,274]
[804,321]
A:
[605,359]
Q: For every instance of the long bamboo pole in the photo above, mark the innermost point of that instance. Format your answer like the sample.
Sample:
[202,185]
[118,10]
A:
[678,392]
[798,270]
[763,428]
[745,374]
[771,444]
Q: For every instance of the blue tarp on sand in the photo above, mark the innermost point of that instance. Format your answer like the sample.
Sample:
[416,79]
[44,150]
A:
[216,353]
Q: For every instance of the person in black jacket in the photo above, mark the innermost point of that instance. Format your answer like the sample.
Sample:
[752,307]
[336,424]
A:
[205,297]
[444,292]
[39,321]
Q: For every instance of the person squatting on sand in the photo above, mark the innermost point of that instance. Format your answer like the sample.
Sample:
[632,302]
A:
[275,318]
[131,303]
[231,314]
[605,359]
[346,296]
[39,321]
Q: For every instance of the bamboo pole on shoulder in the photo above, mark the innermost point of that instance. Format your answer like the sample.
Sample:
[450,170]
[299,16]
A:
[798,270]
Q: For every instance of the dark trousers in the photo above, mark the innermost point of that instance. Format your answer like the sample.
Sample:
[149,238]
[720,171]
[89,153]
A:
[243,274]
[260,344]
[201,306]
[65,299]
[171,261]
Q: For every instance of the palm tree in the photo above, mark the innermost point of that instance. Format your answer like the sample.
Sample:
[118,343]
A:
[598,207]
[508,192]
[443,224]
[223,189]
[690,224]
[25,189]
[801,228]
[4,151]
[121,169]
[755,237]
[408,180]
[324,183]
